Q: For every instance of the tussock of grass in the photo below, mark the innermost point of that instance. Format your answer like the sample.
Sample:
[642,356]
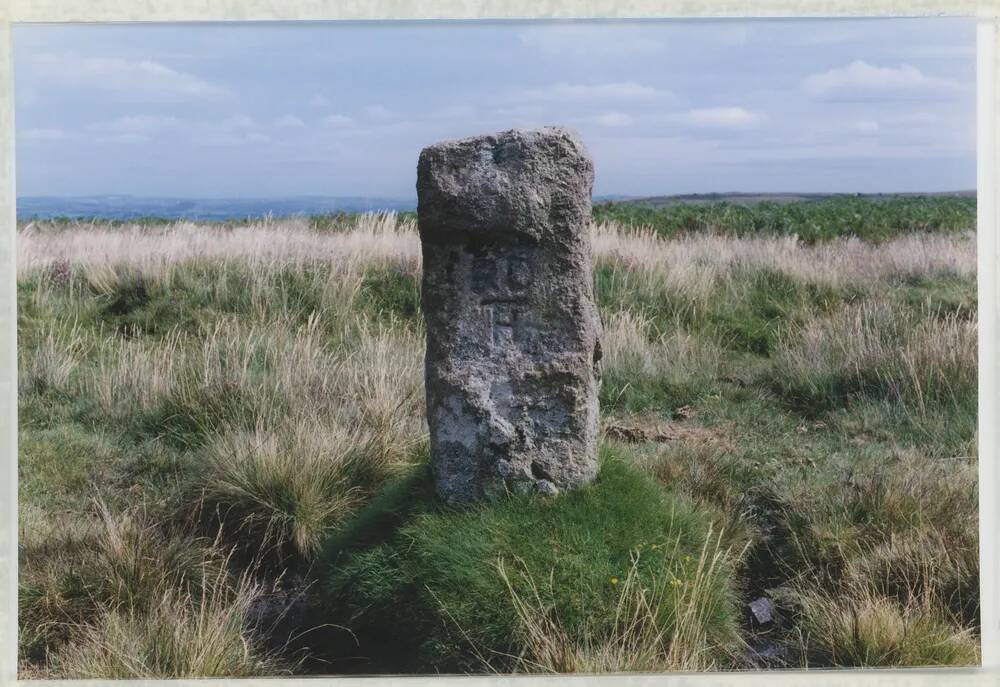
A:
[885,566]
[882,351]
[278,491]
[923,565]
[869,502]
[351,424]
[115,561]
[49,364]
[177,636]
[641,370]
[860,629]
[134,564]
[707,469]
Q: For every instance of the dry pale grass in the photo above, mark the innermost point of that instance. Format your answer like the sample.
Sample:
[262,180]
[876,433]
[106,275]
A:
[634,352]
[102,562]
[374,237]
[879,347]
[133,374]
[180,635]
[691,262]
[52,360]
[695,261]
[857,627]
[298,433]
[630,340]
[280,365]
[888,570]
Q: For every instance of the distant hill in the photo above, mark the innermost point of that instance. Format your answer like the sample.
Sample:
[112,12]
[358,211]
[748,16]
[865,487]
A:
[779,198]
[123,207]
[126,207]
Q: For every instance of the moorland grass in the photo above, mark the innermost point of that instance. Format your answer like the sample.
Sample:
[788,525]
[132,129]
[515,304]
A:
[243,398]
[178,636]
[820,220]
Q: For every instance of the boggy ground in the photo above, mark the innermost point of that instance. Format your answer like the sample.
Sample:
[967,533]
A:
[222,459]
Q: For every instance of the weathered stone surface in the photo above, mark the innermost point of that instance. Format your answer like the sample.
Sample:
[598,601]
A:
[512,329]
[762,609]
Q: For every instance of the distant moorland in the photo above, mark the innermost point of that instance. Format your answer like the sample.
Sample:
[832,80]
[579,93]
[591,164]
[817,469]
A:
[131,208]
[223,452]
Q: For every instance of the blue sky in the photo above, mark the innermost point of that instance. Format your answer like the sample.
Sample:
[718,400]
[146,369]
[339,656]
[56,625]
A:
[269,110]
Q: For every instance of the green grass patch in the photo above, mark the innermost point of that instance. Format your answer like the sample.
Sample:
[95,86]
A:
[761,305]
[61,464]
[874,220]
[388,292]
[941,295]
[433,590]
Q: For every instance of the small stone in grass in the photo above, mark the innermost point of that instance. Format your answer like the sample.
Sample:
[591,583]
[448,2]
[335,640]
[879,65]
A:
[762,609]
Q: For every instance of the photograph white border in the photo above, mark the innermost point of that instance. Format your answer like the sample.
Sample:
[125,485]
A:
[987,14]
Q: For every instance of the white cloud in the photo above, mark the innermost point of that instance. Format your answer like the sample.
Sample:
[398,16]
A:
[379,112]
[127,79]
[862,149]
[124,138]
[143,128]
[138,125]
[288,122]
[383,130]
[860,79]
[337,121]
[627,91]
[613,119]
[722,117]
[519,111]
[43,134]
[453,112]
[238,129]
[238,123]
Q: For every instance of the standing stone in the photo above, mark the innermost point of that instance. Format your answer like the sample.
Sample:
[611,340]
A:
[512,329]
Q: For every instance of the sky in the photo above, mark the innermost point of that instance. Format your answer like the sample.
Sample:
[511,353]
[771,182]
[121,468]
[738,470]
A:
[343,109]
